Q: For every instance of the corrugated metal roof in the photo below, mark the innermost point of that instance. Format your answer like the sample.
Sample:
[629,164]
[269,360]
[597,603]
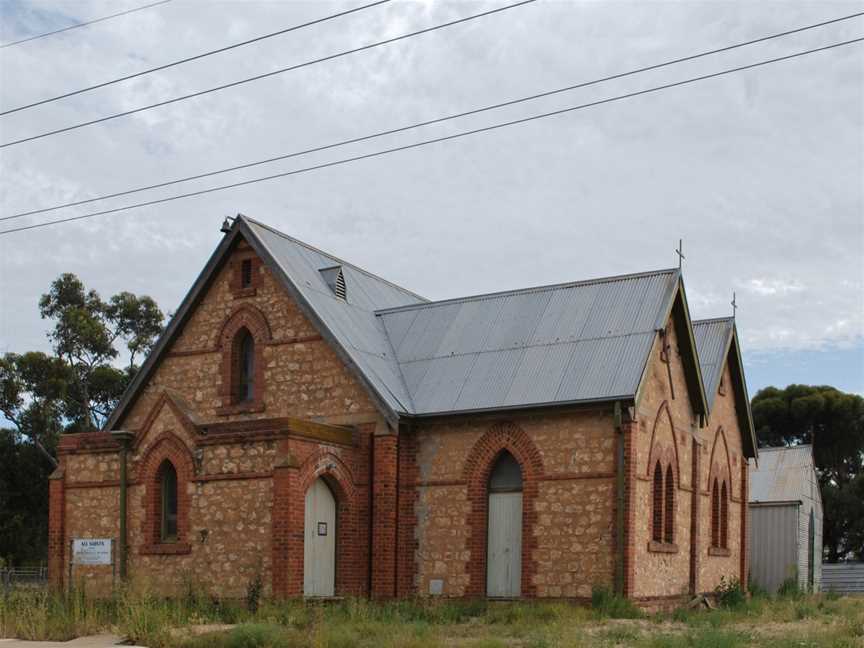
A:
[712,344]
[582,341]
[351,321]
[784,475]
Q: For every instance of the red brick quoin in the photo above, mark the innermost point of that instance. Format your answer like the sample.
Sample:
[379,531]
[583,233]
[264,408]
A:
[167,447]
[478,466]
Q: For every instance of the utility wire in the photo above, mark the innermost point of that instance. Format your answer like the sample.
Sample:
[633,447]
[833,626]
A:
[193,58]
[84,24]
[429,122]
[270,74]
[445,138]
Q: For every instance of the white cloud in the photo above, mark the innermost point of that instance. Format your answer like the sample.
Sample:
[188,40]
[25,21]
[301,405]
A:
[759,172]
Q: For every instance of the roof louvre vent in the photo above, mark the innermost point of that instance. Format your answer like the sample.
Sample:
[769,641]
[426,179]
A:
[335,280]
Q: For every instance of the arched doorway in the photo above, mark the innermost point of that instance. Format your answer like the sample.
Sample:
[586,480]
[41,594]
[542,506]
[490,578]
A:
[504,530]
[319,542]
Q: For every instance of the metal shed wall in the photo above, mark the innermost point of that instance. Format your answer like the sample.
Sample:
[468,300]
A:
[843,578]
[774,543]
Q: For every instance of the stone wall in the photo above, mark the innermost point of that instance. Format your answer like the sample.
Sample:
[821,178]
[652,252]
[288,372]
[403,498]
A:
[226,486]
[570,530]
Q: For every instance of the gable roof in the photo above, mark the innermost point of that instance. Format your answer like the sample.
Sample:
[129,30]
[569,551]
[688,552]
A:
[568,343]
[579,342]
[784,475]
[717,344]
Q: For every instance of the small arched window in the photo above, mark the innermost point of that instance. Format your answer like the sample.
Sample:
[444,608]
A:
[724,516]
[245,368]
[168,494]
[657,504]
[715,514]
[669,504]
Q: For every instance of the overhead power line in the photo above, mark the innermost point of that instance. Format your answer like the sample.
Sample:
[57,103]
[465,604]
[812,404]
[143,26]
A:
[193,58]
[258,77]
[438,120]
[84,24]
[435,140]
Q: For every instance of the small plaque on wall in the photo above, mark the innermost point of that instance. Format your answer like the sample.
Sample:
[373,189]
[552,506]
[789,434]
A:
[322,528]
[436,586]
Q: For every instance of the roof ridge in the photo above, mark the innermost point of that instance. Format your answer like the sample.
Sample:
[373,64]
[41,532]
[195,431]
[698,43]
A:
[708,320]
[528,290]
[328,254]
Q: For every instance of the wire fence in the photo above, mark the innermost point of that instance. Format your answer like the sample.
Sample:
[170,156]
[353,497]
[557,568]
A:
[23,577]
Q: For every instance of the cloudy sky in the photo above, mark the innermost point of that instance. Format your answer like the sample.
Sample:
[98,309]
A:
[761,172]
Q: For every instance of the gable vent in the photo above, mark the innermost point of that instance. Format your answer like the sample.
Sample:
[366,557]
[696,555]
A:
[335,280]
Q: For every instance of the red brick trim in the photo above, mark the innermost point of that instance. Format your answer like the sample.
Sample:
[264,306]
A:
[171,448]
[56,527]
[384,515]
[87,442]
[569,476]
[477,468]
[165,398]
[744,549]
[695,518]
[215,349]
[235,281]
[629,432]
[286,527]
[406,528]
[668,456]
[325,465]
[165,549]
[719,551]
[254,321]
[239,476]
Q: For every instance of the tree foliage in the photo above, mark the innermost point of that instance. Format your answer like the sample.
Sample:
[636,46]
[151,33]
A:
[833,422]
[72,390]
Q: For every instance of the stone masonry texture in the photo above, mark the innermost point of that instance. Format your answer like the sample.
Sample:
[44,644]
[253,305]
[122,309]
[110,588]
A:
[411,499]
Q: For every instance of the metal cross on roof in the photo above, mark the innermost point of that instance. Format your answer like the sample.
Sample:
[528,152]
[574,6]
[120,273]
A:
[734,305]
[680,252]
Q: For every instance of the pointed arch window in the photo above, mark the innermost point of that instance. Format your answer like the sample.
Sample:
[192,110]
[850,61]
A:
[715,514]
[657,502]
[246,368]
[669,504]
[724,516]
[663,508]
[167,478]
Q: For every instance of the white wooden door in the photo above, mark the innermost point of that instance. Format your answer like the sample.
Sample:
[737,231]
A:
[319,544]
[504,545]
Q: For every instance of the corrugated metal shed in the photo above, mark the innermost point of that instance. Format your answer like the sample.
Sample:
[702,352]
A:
[784,475]
[843,578]
[713,337]
[582,341]
[785,483]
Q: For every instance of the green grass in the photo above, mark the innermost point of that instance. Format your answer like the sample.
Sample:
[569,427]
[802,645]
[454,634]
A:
[135,612]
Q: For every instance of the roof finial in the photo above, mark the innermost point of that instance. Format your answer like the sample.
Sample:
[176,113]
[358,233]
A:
[680,253]
[226,225]
[734,305]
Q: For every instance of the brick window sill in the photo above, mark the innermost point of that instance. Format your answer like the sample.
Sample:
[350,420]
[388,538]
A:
[244,292]
[719,551]
[166,549]
[240,408]
[662,547]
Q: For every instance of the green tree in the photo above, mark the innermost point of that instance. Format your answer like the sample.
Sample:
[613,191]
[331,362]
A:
[86,334]
[833,422]
[24,472]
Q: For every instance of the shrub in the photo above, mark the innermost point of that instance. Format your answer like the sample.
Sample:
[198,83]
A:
[608,604]
[789,589]
[253,593]
[729,593]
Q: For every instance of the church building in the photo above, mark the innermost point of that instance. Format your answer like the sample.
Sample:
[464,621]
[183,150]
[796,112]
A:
[308,423]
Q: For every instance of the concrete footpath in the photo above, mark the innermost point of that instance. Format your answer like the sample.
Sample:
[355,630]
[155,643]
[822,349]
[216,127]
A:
[95,641]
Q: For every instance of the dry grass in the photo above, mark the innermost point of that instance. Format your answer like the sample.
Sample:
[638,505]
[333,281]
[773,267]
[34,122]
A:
[196,622]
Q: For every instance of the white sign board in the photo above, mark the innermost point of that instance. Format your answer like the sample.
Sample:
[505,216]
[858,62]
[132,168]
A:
[91,551]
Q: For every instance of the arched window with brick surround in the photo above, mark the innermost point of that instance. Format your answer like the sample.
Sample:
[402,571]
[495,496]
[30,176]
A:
[167,477]
[669,507]
[657,504]
[244,336]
